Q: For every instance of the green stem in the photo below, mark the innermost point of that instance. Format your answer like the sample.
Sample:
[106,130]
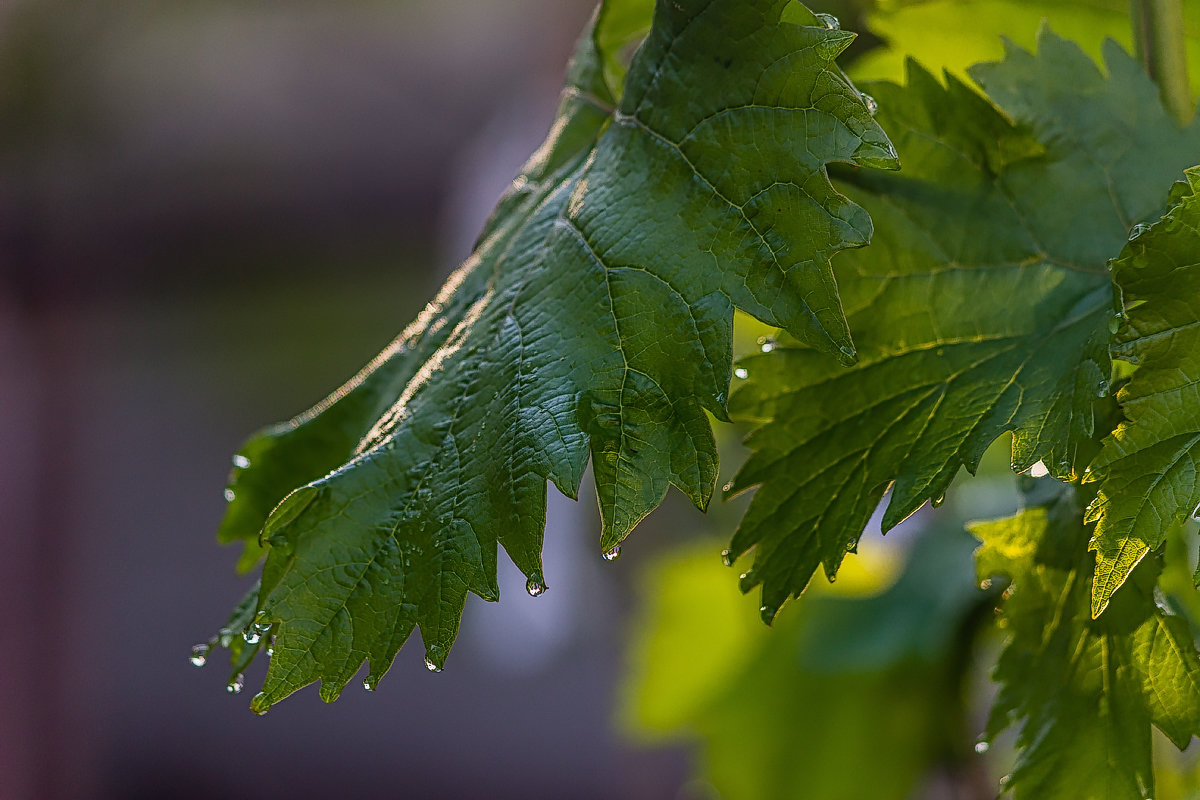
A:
[1159,38]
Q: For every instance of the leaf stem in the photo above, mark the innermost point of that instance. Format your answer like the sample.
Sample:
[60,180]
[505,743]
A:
[1159,38]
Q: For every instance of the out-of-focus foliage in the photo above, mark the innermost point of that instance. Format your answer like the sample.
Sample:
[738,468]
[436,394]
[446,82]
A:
[857,691]
[955,34]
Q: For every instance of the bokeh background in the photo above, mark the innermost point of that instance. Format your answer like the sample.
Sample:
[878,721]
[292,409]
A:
[210,215]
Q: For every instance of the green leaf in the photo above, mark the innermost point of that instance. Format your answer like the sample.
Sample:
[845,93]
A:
[981,307]
[594,318]
[1148,469]
[788,713]
[1085,691]
[954,34]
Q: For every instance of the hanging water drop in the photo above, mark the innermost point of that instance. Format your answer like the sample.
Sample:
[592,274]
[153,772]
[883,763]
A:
[740,372]
[1114,323]
[727,558]
[369,684]
[1138,230]
[240,461]
[768,614]
[870,103]
[535,586]
[612,554]
[938,501]
[767,344]
[236,685]
[199,656]
[830,22]
[229,495]
[727,487]
[431,666]
[1102,389]
[1039,470]
[982,747]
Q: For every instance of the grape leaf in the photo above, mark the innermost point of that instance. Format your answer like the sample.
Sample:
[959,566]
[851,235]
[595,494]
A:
[1149,469]
[595,316]
[981,307]
[1084,690]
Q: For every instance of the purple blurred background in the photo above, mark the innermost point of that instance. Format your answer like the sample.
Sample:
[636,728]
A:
[210,215]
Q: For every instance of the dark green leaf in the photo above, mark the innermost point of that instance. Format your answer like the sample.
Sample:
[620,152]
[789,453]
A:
[594,318]
[981,307]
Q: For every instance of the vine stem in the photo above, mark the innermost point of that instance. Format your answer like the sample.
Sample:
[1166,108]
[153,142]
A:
[1159,38]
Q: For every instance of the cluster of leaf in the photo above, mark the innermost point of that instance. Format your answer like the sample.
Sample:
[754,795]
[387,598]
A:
[594,323]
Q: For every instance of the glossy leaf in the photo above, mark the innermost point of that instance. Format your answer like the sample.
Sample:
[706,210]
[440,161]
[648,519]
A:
[594,318]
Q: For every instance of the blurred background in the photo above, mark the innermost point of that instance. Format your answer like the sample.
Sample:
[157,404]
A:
[211,214]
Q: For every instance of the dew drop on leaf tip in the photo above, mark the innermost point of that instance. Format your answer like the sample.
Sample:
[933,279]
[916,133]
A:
[938,502]
[431,666]
[368,684]
[871,104]
[1137,230]
[240,461]
[535,586]
[236,685]
[830,22]
[199,656]
[1039,470]
[612,554]
[727,558]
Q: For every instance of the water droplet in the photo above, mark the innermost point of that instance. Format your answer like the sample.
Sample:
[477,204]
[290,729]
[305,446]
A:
[229,495]
[830,21]
[199,656]
[740,372]
[870,103]
[982,747]
[727,487]
[767,344]
[369,684]
[535,586]
[1008,592]
[612,554]
[768,614]
[1114,324]
[985,584]
[938,501]
[236,685]
[240,461]
[1039,470]
[251,635]
[1102,389]
[431,666]
[727,558]
[1138,230]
